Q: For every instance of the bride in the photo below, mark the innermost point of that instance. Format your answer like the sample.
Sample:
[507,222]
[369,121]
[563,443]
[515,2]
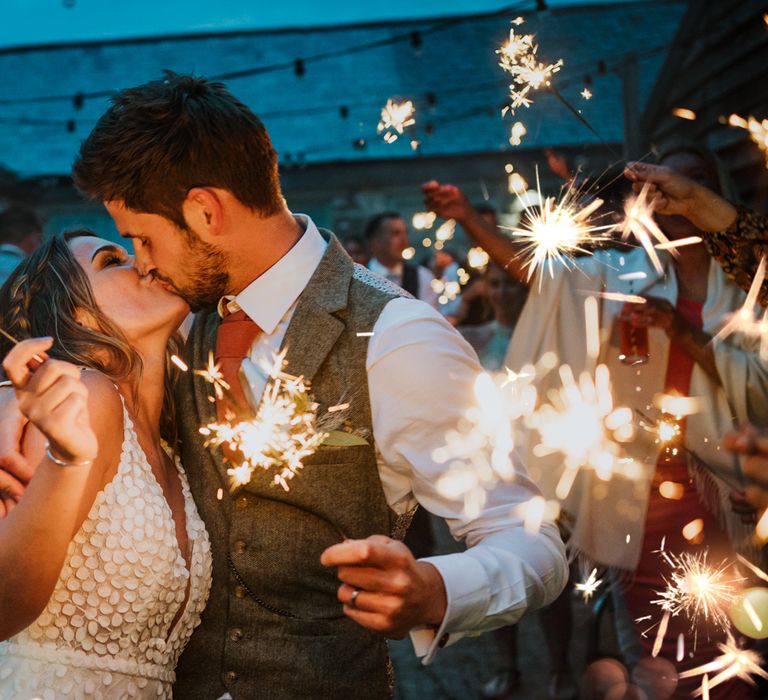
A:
[105,562]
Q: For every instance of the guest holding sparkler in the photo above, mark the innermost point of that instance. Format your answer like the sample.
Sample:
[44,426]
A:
[621,522]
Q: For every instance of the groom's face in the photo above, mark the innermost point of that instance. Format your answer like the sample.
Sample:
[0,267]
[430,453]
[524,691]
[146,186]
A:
[178,259]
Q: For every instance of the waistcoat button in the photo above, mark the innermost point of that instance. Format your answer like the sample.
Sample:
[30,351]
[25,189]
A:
[241,502]
[239,547]
[229,677]
[236,634]
[240,592]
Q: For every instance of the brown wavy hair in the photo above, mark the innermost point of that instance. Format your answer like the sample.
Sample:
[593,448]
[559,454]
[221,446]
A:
[44,296]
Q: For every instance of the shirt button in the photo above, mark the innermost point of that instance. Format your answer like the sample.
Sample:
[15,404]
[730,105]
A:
[236,634]
[240,547]
[229,677]
[240,592]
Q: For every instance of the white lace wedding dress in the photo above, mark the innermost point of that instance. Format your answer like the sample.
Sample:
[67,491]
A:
[108,630]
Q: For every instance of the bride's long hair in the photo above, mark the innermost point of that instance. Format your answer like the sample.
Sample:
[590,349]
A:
[44,296]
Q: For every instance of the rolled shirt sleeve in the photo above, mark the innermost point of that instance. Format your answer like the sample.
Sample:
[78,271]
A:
[421,375]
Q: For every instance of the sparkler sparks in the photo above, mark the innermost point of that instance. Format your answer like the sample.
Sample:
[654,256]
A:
[477,258]
[697,590]
[588,587]
[557,230]
[582,424]
[734,662]
[586,93]
[179,363]
[758,131]
[518,57]
[282,434]
[638,221]
[478,452]
[744,320]
[396,117]
[212,374]
[684,113]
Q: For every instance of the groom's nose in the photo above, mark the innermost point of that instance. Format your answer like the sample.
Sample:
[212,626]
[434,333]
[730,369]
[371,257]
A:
[142,262]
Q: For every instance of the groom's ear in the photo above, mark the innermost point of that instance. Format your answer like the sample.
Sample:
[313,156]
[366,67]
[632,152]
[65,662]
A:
[203,212]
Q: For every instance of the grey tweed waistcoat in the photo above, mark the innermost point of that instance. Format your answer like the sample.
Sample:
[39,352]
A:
[273,627]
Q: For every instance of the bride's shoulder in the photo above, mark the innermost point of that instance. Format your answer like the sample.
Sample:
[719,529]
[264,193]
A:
[105,407]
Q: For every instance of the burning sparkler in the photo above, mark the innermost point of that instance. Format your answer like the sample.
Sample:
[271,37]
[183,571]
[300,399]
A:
[734,662]
[588,587]
[478,452]
[758,131]
[518,57]
[744,320]
[396,117]
[697,590]
[582,423]
[638,221]
[213,375]
[557,230]
[282,434]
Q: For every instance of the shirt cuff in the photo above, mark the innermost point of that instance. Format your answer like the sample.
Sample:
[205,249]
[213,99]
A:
[467,599]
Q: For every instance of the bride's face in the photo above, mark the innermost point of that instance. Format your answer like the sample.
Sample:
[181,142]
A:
[138,305]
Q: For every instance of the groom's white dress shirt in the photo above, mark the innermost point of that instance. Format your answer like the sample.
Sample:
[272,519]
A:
[421,375]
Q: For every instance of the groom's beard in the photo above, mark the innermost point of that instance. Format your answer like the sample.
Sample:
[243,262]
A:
[207,279]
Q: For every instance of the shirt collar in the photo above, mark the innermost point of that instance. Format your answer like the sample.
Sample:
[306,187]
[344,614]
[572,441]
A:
[269,297]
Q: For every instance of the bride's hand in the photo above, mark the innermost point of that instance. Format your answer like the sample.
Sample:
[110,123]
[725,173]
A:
[54,399]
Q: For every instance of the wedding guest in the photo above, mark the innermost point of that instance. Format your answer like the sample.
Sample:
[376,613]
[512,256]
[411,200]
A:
[20,234]
[356,250]
[387,236]
[685,305]
[735,236]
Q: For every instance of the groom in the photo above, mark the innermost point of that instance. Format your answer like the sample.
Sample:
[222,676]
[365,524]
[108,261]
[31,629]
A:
[307,583]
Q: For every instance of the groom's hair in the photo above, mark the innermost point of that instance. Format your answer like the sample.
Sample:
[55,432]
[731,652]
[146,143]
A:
[159,140]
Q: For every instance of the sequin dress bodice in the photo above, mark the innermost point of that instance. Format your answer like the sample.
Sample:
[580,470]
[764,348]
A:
[125,603]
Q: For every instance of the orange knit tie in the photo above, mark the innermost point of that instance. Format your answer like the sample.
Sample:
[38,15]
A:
[236,335]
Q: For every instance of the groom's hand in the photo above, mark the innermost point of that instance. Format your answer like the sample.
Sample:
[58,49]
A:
[395,592]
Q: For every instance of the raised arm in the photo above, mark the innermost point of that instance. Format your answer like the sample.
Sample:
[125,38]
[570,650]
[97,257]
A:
[79,415]
[450,202]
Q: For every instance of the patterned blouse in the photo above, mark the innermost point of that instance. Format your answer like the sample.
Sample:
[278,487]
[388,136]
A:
[740,248]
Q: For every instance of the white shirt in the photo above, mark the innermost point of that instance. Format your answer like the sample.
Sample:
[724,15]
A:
[395,274]
[421,374]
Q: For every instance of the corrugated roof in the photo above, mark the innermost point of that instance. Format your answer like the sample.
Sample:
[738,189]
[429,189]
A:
[452,76]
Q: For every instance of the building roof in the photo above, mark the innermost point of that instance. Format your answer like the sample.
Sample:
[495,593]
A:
[717,67]
[448,67]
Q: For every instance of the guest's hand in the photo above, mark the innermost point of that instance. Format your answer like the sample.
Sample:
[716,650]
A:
[656,313]
[384,588]
[447,201]
[54,399]
[672,193]
[753,445]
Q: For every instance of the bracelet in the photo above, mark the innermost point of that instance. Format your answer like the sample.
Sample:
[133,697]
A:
[62,462]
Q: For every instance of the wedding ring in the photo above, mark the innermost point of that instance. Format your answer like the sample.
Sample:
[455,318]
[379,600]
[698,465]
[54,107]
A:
[353,600]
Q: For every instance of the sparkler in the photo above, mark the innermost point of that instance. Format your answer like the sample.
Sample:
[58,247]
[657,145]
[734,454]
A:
[396,117]
[581,423]
[638,221]
[758,131]
[697,590]
[7,335]
[282,434]
[734,662]
[478,452]
[588,587]
[518,57]
[212,374]
[557,230]
[744,320]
